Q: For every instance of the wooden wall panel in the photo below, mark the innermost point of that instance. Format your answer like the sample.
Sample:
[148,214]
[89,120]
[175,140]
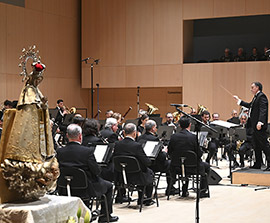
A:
[230,76]
[86,76]
[257,7]
[257,71]
[51,6]
[51,41]
[167,31]
[113,32]
[69,8]
[139,76]
[187,48]
[120,99]
[3,88]
[112,77]
[3,38]
[229,8]
[33,29]
[198,85]
[196,9]
[168,75]
[139,32]
[14,86]
[69,38]
[36,5]
[90,40]
[15,37]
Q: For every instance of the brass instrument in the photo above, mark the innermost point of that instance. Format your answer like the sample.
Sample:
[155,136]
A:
[151,109]
[201,109]
[72,110]
[177,115]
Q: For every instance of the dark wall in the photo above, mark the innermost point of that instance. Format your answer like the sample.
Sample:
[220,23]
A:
[14,2]
[212,36]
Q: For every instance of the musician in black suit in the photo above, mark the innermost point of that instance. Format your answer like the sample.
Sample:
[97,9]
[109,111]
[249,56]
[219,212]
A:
[128,147]
[109,133]
[186,141]
[160,164]
[258,121]
[91,132]
[76,155]
[169,120]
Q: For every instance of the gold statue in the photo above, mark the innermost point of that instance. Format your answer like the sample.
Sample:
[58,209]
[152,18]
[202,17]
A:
[26,149]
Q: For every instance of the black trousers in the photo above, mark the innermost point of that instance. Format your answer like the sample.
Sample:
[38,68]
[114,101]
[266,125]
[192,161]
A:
[261,144]
[244,150]
[212,147]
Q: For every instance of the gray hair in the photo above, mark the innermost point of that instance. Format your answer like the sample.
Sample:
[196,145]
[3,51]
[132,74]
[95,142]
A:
[243,114]
[130,128]
[149,125]
[110,122]
[73,131]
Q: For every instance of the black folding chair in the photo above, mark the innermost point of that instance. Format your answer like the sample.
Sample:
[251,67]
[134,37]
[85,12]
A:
[73,182]
[187,169]
[126,165]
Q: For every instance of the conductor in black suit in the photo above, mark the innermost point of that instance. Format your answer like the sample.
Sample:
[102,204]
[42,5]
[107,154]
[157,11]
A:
[128,147]
[186,141]
[258,120]
[76,155]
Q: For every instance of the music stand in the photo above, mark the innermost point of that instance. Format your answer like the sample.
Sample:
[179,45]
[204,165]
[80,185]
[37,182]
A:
[152,148]
[157,119]
[53,113]
[68,119]
[165,132]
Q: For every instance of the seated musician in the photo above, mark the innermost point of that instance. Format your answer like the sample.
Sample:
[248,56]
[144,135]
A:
[59,120]
[109,133]
[141,123]
[246,146]
[76,155]
[118,117]
[128,147]
[169,120]
[186,141]
[213,143]
[109,113]
[160,164]
[234,119]
[91,132]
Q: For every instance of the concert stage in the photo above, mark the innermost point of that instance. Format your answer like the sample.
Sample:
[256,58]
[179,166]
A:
[251,176]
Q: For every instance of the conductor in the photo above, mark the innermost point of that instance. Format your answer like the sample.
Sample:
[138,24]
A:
[258,119]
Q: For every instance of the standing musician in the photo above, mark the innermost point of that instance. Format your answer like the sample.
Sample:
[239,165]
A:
[258,118]
[186,141]
[109,132]
[160,164]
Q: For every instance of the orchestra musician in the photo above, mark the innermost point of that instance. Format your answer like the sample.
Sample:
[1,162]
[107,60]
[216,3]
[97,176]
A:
[91,132]
[109,132]
[169,120]
[258,121]
[246,146]
[160,164]
[109,113]
[141,125]
[234,119]
[128,147]
[213,143]
[76,155]
[7,105]
[186,141]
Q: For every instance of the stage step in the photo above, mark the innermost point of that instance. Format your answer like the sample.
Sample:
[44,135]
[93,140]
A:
[251,176]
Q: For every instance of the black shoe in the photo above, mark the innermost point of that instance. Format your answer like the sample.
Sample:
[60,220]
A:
[255,166]
[235,165]
[149,202]
[120,200]
[111,219]
[172,192]
[242,165]
[185,194]
[204,194]
[267,168]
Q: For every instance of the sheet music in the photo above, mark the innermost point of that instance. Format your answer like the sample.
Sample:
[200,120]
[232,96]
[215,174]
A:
[100,152]
[224,124]
[149,148]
